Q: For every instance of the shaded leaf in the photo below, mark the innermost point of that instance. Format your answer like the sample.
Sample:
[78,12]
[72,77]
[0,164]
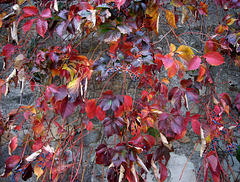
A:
[42,27]
[196,126]
[46,13]
[27,26]
[74,88]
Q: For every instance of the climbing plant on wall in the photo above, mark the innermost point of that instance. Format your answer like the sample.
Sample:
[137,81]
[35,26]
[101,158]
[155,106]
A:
[137,41]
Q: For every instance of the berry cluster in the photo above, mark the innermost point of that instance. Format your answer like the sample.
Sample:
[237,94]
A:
[215,142]
[231,147]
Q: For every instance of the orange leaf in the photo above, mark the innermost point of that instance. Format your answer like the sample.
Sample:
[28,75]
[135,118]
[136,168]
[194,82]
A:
[38,171]
[165,80]
[230,21]
[38,128]
[202,72]
[172,71]
[170,18]
[12,145]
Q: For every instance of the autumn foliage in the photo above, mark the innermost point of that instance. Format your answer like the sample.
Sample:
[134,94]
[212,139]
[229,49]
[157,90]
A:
[45,51]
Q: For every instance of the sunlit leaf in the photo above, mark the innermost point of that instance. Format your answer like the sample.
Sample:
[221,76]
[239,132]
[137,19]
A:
[185,52]
[30,10]
[46,13]
[214,58]
[12,145]
[38,171]
[170,18]
[194,63]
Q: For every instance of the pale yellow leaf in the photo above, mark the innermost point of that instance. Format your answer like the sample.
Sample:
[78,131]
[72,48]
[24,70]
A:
[184,15]
[163,138]
[38,171]
[134,173]
[122,170]
[203,142]
[155,170]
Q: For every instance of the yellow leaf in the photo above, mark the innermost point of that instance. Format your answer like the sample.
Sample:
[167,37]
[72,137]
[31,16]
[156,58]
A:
[230,21]
[185,52]
[172,48]
[20,2]
[170,18]
[165,80]
[152,10]
[71,71]
[38,171]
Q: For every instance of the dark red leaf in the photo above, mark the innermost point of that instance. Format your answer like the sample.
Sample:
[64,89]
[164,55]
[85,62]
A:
[227,99]
[163,172]
[194,63]
[150,139]
[27,172]
[46,13]
[27,26]
[42,27]
[61,93]
[192,94]
[177,124]
[196,126]
[237,101]
[30,10]
[163,116]
[214,58]
[12,161]
[66,108]
[8,50]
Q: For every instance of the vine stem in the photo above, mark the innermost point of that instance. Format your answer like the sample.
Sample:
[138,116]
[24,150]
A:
[188,160]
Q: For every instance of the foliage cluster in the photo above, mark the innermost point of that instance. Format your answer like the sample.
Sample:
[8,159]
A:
[144,124]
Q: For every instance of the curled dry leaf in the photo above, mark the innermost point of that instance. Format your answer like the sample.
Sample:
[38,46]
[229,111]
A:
[155,170]
[203,142]
[12,145]
[163,138]
[122,170]
[134,173]
[34,155]
[14,31]
[184,15]
[140,162]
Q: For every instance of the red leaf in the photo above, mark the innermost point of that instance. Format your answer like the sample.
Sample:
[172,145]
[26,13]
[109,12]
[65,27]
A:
[42,26]
[30,10]
[91,108]
[163,171]
[12,145]
[214,58]
[27,26]
[150,139]
[89,126]
[212,160]
[65,107]
[202,72]
[8,50]
[128,100]
[32,85]
[194,63]
[196,126]
[46,13]
[100,114]
[210,46]
[12,161]
[237,101]
[119,3]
